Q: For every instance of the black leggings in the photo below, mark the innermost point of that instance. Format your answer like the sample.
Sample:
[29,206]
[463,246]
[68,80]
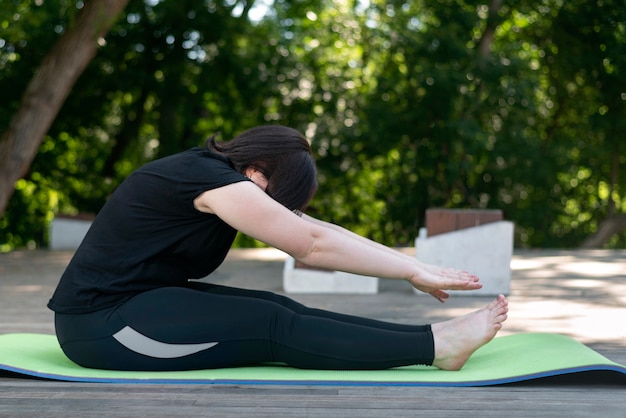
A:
[207,326]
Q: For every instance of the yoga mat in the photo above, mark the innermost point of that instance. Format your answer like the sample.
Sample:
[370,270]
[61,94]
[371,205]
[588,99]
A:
[508,359]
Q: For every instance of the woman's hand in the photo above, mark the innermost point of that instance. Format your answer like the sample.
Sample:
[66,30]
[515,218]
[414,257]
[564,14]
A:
[435,280]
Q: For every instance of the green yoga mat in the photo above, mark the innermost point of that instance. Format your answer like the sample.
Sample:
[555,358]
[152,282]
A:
[508,359]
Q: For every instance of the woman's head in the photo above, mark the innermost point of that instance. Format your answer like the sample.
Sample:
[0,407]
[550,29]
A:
[284,157]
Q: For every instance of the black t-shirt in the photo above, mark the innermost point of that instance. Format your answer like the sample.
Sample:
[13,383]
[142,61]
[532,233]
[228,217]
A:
[149,235]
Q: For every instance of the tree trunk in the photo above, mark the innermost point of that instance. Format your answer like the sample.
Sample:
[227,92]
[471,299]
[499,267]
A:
[607,228]
[49,88]
[486,39]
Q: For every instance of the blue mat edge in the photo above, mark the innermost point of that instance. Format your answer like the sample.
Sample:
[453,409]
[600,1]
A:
[515,379]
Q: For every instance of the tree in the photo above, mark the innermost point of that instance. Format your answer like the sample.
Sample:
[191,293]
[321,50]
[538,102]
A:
[48,89]
[408,104]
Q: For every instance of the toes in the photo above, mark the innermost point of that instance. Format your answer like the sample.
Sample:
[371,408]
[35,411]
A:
[493,304]
[500,318]
[499,303]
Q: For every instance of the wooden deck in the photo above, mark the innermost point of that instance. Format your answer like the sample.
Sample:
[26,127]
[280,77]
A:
[576,293]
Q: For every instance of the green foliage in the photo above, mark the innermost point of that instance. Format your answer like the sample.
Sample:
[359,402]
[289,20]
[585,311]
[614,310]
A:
[404,106]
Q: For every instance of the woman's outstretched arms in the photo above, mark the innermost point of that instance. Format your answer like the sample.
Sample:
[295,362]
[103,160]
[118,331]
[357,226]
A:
[248,209]
[426,269]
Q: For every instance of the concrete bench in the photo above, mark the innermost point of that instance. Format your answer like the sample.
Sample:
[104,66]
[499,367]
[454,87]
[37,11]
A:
[67,232]
[478,241]
[300,278]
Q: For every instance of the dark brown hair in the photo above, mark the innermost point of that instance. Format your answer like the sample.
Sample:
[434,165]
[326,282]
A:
[282,154]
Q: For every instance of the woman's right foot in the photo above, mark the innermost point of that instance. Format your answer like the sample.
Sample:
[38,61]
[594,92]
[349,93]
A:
[457,339]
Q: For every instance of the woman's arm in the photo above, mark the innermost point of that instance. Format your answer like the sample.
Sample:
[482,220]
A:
[355,236]
[248,209]
[425,268]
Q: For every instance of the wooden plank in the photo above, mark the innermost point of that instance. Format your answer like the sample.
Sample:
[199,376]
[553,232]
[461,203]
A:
[193,400]
[441,221]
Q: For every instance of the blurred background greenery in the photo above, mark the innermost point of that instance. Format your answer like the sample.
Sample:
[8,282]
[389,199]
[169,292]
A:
[409,105]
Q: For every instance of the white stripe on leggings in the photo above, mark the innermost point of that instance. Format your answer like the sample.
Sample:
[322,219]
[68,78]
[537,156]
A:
[141,344]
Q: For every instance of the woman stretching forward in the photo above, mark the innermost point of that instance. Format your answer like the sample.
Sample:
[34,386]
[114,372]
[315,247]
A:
[128,299]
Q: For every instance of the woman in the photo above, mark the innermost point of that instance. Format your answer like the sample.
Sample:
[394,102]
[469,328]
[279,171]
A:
[127,300]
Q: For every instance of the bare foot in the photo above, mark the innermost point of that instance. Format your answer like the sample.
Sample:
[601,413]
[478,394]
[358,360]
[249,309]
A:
[457,339]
